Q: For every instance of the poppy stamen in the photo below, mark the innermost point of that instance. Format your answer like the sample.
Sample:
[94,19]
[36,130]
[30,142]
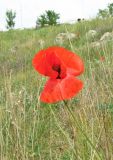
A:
[58,69]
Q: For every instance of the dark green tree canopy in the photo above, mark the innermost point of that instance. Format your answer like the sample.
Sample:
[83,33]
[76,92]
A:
[49,18]
[52,17]
[10,16]
[41,21]
[110,9]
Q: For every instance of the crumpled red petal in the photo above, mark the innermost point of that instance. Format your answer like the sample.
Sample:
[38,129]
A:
[45,59]
[72,62]
[60,89]
[41,64]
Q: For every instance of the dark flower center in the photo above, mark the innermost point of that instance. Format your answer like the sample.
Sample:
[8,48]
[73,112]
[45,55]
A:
[58,69]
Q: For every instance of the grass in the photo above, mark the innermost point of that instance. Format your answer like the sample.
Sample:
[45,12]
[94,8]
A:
[79,129]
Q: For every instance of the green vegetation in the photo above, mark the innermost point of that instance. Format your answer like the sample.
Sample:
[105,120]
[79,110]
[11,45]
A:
[49,18]
[81,128]
[10,19]
[107,12]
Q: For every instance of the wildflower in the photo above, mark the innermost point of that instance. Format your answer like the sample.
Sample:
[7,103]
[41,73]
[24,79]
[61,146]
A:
[61,66]
[102,58]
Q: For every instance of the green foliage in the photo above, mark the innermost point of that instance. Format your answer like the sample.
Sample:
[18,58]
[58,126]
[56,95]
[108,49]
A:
[41,21]
[106,107]
[52,17]
[10,19]
[110,8]
[49,18]
[103,13]
[107,12]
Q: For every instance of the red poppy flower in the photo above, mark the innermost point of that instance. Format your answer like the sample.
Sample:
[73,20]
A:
[61,65]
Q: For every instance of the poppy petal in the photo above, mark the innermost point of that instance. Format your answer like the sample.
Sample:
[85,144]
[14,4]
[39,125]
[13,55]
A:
[41,65]
[45,59]
[73,62]
[60,89]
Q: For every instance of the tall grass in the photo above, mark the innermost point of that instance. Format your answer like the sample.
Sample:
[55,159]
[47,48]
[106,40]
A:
[79,129]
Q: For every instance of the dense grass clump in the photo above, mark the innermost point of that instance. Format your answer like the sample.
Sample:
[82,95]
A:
[79,129]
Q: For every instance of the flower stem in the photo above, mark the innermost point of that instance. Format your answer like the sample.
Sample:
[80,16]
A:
[79,127]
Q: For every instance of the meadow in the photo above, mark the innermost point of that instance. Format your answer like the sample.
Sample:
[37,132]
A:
[81,128]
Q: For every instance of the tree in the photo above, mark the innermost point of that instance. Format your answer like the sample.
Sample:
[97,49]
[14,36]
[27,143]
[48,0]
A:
[41,21]
[10,16]
[103,13]
[52,17]
[108,12]
[49,18]
[110,9]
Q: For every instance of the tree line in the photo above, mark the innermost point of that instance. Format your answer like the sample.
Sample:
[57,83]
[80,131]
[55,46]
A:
[50,17]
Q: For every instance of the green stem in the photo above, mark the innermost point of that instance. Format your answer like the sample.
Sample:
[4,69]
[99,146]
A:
[78,126]
[62,131]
